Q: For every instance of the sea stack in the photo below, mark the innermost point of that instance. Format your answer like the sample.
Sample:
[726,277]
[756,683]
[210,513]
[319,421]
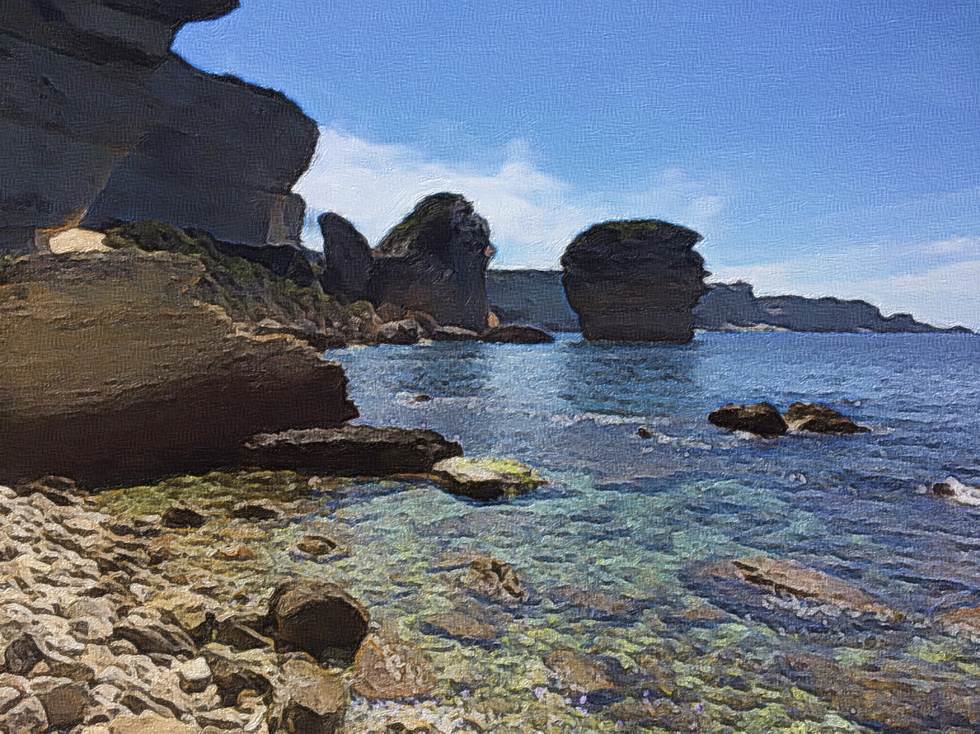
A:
[346,258]
[435,260]
[634,280]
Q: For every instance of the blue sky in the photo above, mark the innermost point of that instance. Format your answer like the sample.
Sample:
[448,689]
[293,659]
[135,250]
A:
[823,148]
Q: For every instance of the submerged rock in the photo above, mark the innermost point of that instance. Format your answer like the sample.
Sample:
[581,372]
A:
[817,418]
[347,258]
[954,489]
[317,617]
[494,579]
[578,671]
[635,280]
[387,668]
[761,419]
[352,450]
[435,260]
[189,391]
[487,478]
[516,334]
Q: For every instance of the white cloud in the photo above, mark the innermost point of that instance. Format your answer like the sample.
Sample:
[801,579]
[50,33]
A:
[532,214]
[955,245]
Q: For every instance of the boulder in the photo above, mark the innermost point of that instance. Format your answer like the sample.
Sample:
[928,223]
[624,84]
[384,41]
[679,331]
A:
[317,617]
[316,545]
[761,419]
[347,258]
[142,378]
[404,331]
[108,124]
[487,478]
[516,334]
[150,723]
[817,418]
[387,668]
[182,516]
[955,490]
[310,701]
[494,579]
[435,260]
[454,334]
[635,280]
[352,450]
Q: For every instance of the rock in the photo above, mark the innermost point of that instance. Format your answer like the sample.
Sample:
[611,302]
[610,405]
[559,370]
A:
[488,478]
[955,490]
[234,552]
[578,671]
[319,340]
[234,673]
[819,419]
[317,617]
[387,668]
[426,322]
[241,632]
[782,578]
[311,701]
[461,626]
[516,334]
[64,701]
[644,432]
[21,655]
[494,579]
[454,334]
[406,331]
[595,603]
[316,545]
[150,723]
[390,312]
[422,398]
[195,675]
[189,393]
[347,258]
[435,260]
[636,280]
[182,516]
[129,130]
[352,450]
[25,717]
[255,511]
[964,621]
[761,419]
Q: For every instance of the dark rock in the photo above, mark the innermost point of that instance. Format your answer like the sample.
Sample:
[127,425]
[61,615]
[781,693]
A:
[182,516]
[644,432]
[60,490]
[129,130]
[190,390]
[422,398]
[954,489]
[317,617]
[406,331]
[232,675]
[486,478]
[390,312]
[347,258]
[761,419]
[21,655]
[634,280]
[817,418]
[154,638]
[240,632]
[454,334]
[65,702]
[425,321]
[255,511]
[352,450]
[435,260]
[516,334]
[387,668]
[311,700]
[316,545]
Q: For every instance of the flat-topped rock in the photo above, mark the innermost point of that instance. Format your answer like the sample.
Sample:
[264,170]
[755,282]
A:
[762,419]
[487,478]
[352,450]
[634,280]
[516,334]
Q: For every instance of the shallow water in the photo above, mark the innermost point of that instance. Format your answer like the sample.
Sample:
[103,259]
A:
[638,518]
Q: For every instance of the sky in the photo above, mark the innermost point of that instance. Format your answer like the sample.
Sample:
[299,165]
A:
[824,147]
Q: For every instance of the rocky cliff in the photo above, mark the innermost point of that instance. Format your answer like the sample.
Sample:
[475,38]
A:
[434,261]
[634,280]
[530,297]
[142,375]
[99,122]
[735,307]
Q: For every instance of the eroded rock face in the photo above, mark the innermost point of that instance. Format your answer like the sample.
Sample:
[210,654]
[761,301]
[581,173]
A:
[352,450]
[347,258]
[636,280]
[101,122]
[140,379]
[435,260]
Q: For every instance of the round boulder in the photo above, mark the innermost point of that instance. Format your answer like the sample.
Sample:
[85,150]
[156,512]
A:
[317,617]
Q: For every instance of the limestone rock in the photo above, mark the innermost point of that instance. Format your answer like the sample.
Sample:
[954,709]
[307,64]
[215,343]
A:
[404,331]
[487,478]
[317,617]
[312,701]
[516,334]
[578,671]
[352,450]
[347,258]
[817,418]
[189,392]
[494,579]
[387,668]
[636,280]
[435,260]
[150,723]
[195,675]
[761,419]
[106,123]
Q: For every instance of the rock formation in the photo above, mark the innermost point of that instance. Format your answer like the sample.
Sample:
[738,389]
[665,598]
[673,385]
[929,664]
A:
[761,419]
[347,258]
[634,280]
[139,377]
[533,297]
[431,267]
[817,418]
[100,122]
